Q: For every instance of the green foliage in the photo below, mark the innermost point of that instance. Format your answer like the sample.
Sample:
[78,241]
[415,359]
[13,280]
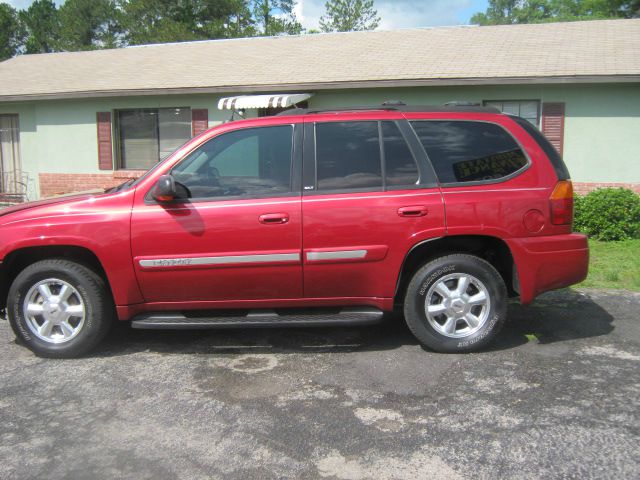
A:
[608,214]
[160,21]
[269,23]
[93,24]
[42,25]
[10,32]
[502,12]
[349,15]
[89,24]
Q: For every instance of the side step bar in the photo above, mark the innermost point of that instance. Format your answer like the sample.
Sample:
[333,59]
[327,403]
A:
[259,319]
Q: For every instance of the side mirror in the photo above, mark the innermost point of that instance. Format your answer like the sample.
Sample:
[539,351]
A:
[165,189]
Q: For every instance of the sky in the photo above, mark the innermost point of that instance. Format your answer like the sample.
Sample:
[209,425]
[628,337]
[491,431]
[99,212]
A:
[394,13]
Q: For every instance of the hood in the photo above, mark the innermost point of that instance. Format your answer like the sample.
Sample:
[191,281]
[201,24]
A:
[50,201]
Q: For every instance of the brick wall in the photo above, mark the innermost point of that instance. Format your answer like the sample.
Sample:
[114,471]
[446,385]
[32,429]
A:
[60,183]
[582,188]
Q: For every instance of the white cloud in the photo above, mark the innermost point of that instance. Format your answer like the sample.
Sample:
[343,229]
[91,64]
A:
[402,13]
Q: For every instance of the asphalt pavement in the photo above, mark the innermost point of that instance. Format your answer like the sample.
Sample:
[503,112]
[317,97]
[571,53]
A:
[557,397]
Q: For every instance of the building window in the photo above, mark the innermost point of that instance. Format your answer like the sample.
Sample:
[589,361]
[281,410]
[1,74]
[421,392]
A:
[527,109]
[147,135]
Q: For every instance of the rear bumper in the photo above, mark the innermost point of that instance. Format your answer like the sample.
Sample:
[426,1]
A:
[549,262]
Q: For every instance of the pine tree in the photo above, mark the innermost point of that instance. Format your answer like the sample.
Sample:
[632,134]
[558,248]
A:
[349,15]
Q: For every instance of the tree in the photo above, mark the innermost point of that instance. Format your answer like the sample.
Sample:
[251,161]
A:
[160,21]
[502,12]
[42,26]
[10,32]
[349,15]
[89,24]
[276,17]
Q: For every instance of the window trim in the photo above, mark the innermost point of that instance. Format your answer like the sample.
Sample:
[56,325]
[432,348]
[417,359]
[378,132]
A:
[537,100]
[117,143]
[296,163]
[506,178]
[427,178]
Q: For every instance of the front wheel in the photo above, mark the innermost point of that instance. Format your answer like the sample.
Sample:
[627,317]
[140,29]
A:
[59,308]
[456,303]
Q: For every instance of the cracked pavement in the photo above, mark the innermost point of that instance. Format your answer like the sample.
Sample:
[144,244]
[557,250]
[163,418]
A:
[556,397]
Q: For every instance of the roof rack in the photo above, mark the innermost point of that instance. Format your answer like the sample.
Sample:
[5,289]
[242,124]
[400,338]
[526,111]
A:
[398,106]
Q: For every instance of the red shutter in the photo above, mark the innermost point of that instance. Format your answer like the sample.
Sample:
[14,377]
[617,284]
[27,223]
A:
[199,120]
[105,152]
[553,124]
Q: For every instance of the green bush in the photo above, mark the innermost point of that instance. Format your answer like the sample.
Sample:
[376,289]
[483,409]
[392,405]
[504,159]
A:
[608,214]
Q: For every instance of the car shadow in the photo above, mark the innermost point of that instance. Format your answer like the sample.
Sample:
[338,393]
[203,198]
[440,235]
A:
[554,317]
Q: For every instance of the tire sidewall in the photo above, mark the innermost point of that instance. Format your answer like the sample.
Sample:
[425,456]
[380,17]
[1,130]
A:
[427,276]
[92,302]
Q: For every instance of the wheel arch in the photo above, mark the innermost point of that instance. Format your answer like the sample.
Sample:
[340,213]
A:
[492,249]
[19,259]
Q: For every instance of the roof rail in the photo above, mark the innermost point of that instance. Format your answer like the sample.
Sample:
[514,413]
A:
[397,106]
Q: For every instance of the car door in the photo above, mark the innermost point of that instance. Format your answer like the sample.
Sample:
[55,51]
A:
[239,235]
[368,196]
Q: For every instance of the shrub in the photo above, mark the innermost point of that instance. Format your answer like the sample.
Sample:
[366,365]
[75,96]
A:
[608,214]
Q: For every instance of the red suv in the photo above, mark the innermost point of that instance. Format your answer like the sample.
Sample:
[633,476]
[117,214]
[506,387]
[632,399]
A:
[311,218]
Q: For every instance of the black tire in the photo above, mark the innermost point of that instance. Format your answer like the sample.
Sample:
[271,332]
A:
[483,279]
[90,289]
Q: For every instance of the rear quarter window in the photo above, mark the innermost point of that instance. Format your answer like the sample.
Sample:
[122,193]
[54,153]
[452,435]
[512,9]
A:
[468,151]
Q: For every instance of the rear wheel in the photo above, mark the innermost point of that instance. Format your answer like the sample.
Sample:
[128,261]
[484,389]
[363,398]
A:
[456,303]
[59,308]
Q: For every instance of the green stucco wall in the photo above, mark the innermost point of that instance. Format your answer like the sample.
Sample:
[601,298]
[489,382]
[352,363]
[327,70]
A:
[601,142]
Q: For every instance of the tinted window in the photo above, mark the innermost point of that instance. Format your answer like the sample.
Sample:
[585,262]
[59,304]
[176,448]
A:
[253,162]
[348,155]
[549,150]
[400,166]
[463,151]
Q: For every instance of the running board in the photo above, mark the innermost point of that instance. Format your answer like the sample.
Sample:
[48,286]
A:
[259,319]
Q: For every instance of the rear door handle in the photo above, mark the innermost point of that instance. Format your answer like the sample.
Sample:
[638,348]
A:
[413,211]
[274,218]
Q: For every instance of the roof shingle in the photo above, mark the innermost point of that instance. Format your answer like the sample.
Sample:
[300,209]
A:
[577,51]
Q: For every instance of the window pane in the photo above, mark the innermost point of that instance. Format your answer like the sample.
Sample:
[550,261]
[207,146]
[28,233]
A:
[469,151]
[249,162]
[149,134]
[348,155]
[401,168]
[527,109]
[138,138]
[174,129]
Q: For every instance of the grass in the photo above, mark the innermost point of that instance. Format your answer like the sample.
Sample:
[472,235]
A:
[614,265]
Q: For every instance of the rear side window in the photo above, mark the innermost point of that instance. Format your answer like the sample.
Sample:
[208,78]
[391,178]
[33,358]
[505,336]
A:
[549,150]
[348,156]
[466,151]
[400,166]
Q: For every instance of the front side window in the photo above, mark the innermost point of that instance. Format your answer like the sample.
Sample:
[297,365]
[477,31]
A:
[147,135]
[467,151]
[348,156]
[250,162]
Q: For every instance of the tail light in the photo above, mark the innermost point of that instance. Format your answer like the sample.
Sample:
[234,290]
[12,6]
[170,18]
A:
[561,203]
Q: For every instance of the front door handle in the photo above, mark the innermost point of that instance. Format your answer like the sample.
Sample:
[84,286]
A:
[413,211]
[274,218]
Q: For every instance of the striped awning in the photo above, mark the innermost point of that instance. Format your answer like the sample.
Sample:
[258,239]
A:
[262,101]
